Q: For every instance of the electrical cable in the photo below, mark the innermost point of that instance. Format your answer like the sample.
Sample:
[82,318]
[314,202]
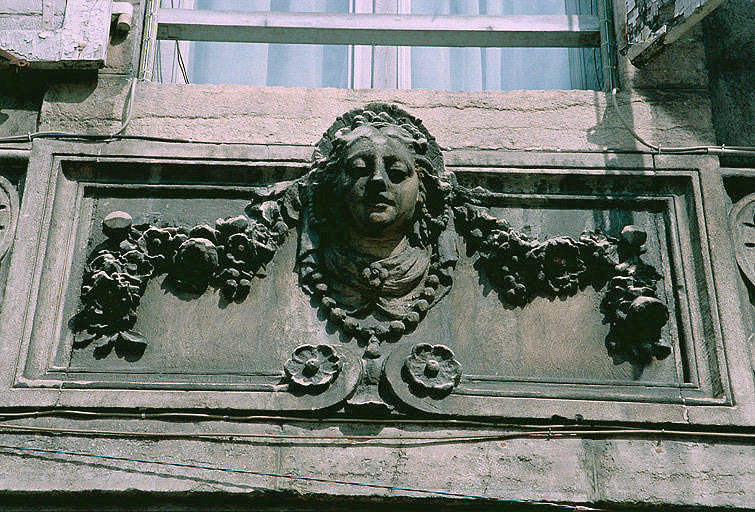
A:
[264,418]
[548,433]
[158,62]
[181,64]
[549,428]
[129,107]
[714,150]
[302,478]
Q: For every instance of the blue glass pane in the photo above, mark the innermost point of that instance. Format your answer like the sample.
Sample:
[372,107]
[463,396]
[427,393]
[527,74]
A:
[274,5]
[496,7]
[478,69]
[292,65]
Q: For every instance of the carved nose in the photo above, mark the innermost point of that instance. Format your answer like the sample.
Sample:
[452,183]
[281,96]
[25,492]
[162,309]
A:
[379,176]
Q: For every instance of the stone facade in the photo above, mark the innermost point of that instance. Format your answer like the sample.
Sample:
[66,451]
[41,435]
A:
[535,406]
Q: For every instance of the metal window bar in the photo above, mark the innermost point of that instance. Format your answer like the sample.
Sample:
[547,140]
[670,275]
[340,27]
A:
[572,31]
[380,29]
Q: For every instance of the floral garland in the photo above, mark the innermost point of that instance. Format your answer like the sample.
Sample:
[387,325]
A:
[522,268]
[227,256]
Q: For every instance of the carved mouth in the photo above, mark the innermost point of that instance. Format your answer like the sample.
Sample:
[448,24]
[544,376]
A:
[379,200]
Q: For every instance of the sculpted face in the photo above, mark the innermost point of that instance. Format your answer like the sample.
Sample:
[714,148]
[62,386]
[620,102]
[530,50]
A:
[378,184]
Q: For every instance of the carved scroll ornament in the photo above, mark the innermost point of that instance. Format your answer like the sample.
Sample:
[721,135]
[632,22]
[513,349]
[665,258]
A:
[379,219]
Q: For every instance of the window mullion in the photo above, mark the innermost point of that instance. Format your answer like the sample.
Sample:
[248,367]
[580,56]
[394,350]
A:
[360,56]
[384,58]
[361,67]
[404,53]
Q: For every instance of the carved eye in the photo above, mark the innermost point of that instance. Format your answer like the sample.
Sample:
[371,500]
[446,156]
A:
[398,171]
[358,167]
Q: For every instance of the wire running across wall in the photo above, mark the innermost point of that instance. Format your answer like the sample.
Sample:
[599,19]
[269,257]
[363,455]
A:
[351,483]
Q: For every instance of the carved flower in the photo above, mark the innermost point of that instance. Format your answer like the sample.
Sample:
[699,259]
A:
[560,265]
[240,250]
[110,300]
[313,366]
[195,262]
[158,242]
[598,250]
[105,262]
[137,263]
[243,243]
[433,367]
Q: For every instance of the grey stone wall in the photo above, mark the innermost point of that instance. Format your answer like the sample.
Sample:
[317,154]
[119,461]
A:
[730,46]
[667,102]
[628,472]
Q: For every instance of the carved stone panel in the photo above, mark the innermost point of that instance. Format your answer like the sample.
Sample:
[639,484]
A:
[374,279]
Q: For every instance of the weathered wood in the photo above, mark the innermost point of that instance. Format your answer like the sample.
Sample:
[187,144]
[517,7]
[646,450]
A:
[379,29]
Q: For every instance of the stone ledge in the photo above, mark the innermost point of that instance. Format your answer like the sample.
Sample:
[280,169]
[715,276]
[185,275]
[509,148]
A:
[521,120]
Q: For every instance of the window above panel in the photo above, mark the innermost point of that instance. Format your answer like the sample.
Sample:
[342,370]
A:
[453,44]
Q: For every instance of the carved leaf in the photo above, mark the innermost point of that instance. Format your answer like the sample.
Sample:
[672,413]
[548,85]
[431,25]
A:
[133,337]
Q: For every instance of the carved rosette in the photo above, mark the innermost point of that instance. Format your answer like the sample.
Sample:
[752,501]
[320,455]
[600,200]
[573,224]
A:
[312,367]
[432,368]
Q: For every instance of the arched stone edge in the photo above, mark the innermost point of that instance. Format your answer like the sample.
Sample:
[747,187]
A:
[6,240]
[745,258]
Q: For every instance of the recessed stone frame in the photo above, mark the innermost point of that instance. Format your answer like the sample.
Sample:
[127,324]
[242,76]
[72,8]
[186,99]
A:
[60,173]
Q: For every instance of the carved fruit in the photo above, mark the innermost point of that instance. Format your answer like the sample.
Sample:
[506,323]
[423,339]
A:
[117,225]
[633,236]
[196,261]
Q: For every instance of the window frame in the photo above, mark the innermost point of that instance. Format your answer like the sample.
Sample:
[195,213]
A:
[380,57]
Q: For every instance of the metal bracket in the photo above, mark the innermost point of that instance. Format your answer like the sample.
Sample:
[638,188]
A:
[14,60]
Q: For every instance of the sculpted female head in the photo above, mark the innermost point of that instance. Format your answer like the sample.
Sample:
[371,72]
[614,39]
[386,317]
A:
[377,242]
[378,182]
[375,178]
